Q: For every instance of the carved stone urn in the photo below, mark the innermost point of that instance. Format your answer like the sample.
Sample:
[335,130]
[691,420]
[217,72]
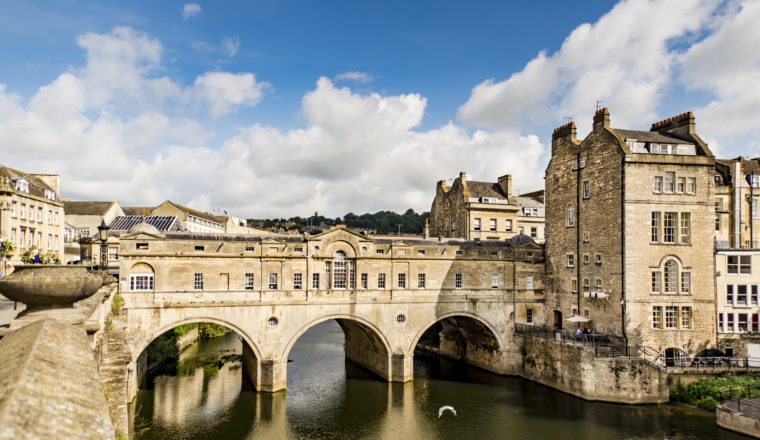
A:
[51,286]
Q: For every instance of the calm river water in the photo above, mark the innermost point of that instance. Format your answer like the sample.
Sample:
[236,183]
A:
[328,398]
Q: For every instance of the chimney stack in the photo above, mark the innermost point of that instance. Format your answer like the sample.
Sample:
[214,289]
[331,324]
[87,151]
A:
[601,119]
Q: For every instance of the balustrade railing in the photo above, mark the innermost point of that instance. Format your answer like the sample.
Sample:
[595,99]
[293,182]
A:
[604,345]
[720,363]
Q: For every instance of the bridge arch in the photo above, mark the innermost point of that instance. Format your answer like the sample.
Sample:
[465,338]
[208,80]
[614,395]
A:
[145,339]
[468,315]
[365,344]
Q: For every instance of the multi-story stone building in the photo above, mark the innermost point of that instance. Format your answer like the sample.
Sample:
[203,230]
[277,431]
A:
[630,230]
[485,211]
[31,213]
[737,193]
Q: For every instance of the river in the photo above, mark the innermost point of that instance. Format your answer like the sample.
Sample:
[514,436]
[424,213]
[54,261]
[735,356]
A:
[329,398]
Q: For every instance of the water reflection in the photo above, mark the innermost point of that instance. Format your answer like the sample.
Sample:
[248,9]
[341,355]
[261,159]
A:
[330,398]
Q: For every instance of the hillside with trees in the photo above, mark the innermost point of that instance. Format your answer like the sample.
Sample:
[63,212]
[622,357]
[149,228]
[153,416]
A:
[381,222]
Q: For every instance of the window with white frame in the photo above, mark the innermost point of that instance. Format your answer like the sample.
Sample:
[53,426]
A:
[586,259]
[570,216]
[476,224]
[586,189]
[198,281]
[671,276]
[691,185]
[741,295]
[680,185]
[297,281]
[753,207]
[574,285]
[492,224]
[381,281]
[598,285]
[685,228]
[529,316]
[402,281]
[420,280]
[658,184]
[81,233]
[586,285]
[520,230]
[508,227]
[22,185]
[685,283]
[670,182]
[22,211]
[670,221]
[248,284]
[273,281]
[315,281]
[730,294]
[13,208]
[39,214]
[341,270]
[739,264]
[671,317]
[534,232]
[570,260]
[655,235]
[657,316]
[50,216]
[458,281]
[113,253]
[55,243]
[50,241]
[495,281]
[364,280]
[140,282]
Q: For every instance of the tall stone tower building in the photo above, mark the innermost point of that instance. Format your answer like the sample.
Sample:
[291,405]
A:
[630,225]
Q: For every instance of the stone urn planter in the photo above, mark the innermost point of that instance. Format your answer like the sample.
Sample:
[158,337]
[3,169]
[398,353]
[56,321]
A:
[49,286]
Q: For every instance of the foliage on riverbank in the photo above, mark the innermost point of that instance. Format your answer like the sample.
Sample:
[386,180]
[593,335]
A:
[706,393]
[207,330]
[164,348]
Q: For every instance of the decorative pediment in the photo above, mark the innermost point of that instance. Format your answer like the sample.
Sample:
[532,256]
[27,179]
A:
[142,236]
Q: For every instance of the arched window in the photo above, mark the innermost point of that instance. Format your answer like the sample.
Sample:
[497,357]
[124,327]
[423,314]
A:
[340,270]
[671,276]
[570,220]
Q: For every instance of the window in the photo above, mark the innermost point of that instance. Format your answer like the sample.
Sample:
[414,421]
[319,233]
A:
[741,295]
[670,178]
[533,232]
[55,214]
[685,283]
[520,230]
[381,281]
[739,264]
[574,285]
[22,211]
[671,317]
[598,260]
[402,281]
[492,224]
[753,296]
[598,285]
[141,246]
[691,185]
[352,274]
[529,282]
[420,252]
[31,213]
[570,217]
[13,209]
[730,322]
[495,253]
[586,285]
[585,237]
[198,281]
[729,294]
[495,281]
[671,275]
[420,280]
[81,233]
[658,184]
[657,316]
[50,240]
[685,228]
[22,185]
[39,214]
[585,258]
[529,316]
[530,212]
[509,226]
[248,284]
[22,237]
[721,323]
[55,243]
[199,248]
[742,321]
[364,281]
[297,281]
[681,185]
[755,322]
[459,252]
[655,227]
[249,248]
[586,189]
[669,227]
[458,281]
[717,222]
[685,317]
[477,224]
[140,282]
[753,207]
[113,253]
[315,281]
[272,281]
[379,251]
[570,260]
[328,274]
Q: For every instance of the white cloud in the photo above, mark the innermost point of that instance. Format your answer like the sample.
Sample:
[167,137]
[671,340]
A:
[359,77]
[225,91]
[190,10]
[625,59]
[230,46]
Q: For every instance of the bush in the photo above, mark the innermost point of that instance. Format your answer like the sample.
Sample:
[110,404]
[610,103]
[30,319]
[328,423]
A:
[707,392]
[707,403]
[207,330]
[116,303]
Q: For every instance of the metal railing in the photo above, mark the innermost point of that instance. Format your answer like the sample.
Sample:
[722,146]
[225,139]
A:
[742,394]
[604,345]
[721,363]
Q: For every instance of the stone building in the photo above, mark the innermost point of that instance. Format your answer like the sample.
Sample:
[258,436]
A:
[485,211]
[84,219]
[630,230]
[31,212]
[192,220]
[737,193]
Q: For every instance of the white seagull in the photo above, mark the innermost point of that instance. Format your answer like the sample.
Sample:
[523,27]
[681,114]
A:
[444,408]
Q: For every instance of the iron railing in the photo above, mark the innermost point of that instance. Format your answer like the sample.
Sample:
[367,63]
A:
[721,363]
[743,395]
[604,345]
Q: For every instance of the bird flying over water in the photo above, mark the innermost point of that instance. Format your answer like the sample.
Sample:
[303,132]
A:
[444,408]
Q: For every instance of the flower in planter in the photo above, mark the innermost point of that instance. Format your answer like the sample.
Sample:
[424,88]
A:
[6,246]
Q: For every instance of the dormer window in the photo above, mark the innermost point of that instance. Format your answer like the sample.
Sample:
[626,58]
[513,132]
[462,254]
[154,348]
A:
[50,195]
[22,185]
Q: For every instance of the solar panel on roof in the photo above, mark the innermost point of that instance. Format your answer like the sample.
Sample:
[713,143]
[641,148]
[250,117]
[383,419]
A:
[160,222]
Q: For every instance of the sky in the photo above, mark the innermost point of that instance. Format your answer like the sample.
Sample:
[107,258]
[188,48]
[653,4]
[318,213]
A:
[272,108]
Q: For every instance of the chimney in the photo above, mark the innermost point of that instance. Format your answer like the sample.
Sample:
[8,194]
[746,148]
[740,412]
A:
[463,177]
[51,180]
[565,131]
[505,183]
[682,124]
[427,229]
[601,119]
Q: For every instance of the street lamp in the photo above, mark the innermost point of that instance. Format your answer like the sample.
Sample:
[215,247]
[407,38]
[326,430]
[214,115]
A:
[103,235]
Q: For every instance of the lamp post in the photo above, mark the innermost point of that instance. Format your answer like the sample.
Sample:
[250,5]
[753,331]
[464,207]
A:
[103,235]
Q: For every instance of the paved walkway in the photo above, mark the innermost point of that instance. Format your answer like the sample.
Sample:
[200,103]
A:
[7,313]
[749,407]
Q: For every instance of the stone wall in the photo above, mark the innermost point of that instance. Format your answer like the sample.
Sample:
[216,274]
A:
[576,370]
[733,420]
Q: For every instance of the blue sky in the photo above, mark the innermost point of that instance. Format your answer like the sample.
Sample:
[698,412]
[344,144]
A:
[268,108]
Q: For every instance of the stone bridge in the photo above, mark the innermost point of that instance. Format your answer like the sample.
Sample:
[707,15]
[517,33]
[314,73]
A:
[384,293]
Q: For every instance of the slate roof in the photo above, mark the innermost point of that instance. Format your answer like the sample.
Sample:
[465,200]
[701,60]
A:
[86,208]
[137,210]
[651,136]
[528,202]
[197,213]
[485,189]
[36,186]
